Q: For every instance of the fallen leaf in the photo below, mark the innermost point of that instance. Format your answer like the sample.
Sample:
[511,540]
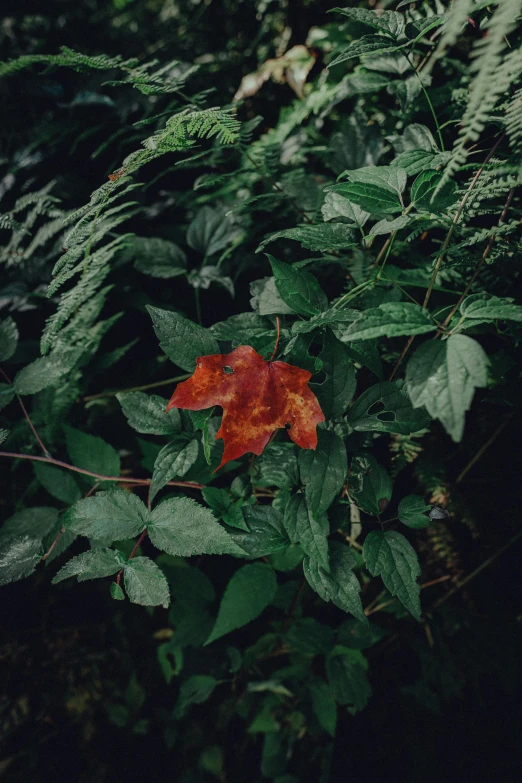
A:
[257,398]
[292,68]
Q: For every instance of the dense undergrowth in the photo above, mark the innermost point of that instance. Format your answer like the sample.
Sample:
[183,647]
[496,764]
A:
[340,192]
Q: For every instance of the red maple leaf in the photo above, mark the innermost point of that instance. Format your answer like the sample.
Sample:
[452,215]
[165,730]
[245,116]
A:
[257,398]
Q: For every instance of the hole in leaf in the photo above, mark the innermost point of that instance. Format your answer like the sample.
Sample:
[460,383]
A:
[386,416]
[228,370]
[320,377]
[375,408]
[288,426]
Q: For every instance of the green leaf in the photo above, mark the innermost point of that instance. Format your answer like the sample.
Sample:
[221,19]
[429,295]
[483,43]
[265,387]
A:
[391,556]
[340,586]
[182,340]
[197,689]
[247,329]
[59,483]
[392,178]
[443,375]
[338,388]
[204,277]
[322,237]
[211,231]
[336,206]
[115,515]
[347,678]
[94,564]
[180,526]
[266,300]
[35,522]
[323,471]
[8,339]
[413,161]
[7,393]
[307,529]
[266,532]
[424,194]
[174,460]
[298,288]
[374,489]
[324,705]
[278,465]
[489,308]
[117,592]
[372,198]
[145,583]
[248,593]
[158,257]
[146,413]
[218,500]
[91,453]
[43,372]
[359,636]
[365,45]
[337,319]
[413,512]
[386,407]
[388,22]
[310,637]
[386,226]
[18,558]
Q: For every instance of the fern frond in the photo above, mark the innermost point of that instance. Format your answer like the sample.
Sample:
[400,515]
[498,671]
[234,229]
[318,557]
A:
[67,58]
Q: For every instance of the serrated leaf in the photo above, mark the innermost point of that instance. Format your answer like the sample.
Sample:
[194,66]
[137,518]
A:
[323,471]
[386,407]
[145,583]
[323,237]
[443,375]
[347,677]
[425,196]
[389,22]
[307,529]
[298,288]
[115,515]
[340,586]
[490,308]
[388,226]
[174,460]
[8,339]
[211,231]
[248,593]
[58,482]
[91,453]
[266,532]
[324,705]
[337,319]
[278,465]
[371,486]
[146,413]
[7,393]
[195,690]
[372,198]
[266,300]
[19,556]
[337,390]
[182,340]
[413,511]
[180,526]
[336,206]
[365,45]
[43,372]
[94,564]
[218,500]
[117,592]
[158,257]
[389,555]
[247,329]
[35,522]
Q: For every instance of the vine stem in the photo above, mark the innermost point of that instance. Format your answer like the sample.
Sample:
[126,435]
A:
[136,547]
[278,322]
[144,387]
[27,417]
[120,479]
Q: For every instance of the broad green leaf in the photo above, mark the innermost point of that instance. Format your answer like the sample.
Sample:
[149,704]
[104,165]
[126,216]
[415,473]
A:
[174,460]
[488,308]
[324,705]
[298,288]
[146,413]
[337,319]
[391,556]
[390,319]
[247,329]
[43,372]
[336,391]
[218,500]
[386,407]
[413,511]
[211,231]
[91,453]
[340,586]
[346,673]
[158,257]
[424,194]
[117,592]
[182,340]
[35,522]
[266,532]
[371,487]
[310,637]
[278,465]
[265,298]
[323,471]
[180,526]
[359,636]
[94,564]
[204,277]
[336,206]
[248,593]
[443,375]
[18,557]
[386,226]
[145,583]
[415,138]
[365,45]
[307,529]
[388,22]
[287,559]
[372,198]
[322,237]
[391,178]
[58,482]
[115,515]
[197,689]
[8,339]
[7,393]
[414,161]
[364,352]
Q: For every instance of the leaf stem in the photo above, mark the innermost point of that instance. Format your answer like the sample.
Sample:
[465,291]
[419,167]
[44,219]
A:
[26,414]
[278,322]
[144,387]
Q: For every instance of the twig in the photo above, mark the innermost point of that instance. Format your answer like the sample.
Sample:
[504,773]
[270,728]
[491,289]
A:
[28,418]
[145,386]
[136,547]
[482,449]
[277,339]
[60,534]
[371,608]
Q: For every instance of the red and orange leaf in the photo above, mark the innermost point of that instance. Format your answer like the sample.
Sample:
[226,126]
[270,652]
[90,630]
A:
[257,398]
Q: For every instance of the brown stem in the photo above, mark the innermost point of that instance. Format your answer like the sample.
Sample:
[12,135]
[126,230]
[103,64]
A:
[278,322]
[60,534]
[136,547]
[28,418]
[371,609]
[401,357]
[99,476]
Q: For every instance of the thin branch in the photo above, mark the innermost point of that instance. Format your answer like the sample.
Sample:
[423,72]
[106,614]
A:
[136,547]
[371,609]
[28,418]
[277,339]
[482,449]
[145,386]
[60,534]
